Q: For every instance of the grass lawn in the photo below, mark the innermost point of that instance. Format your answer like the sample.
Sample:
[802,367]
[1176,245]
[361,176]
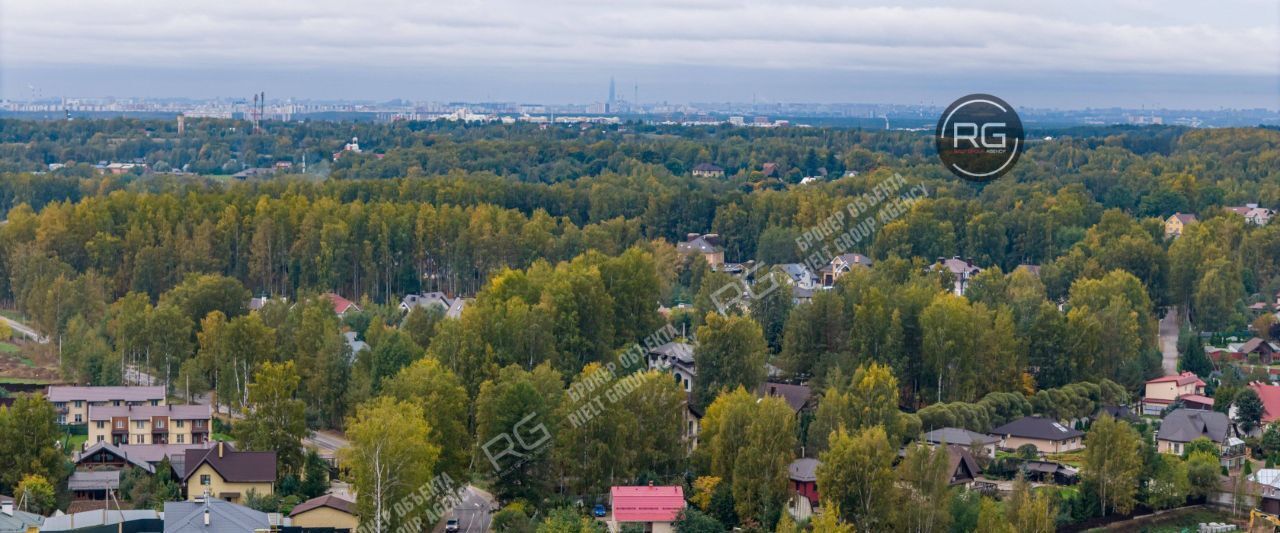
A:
[75,442]
[8,347]
[12,315]
[223,437]
[1074,459]
[23,381]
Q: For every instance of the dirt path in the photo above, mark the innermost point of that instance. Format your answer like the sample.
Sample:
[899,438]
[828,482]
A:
[1169,341]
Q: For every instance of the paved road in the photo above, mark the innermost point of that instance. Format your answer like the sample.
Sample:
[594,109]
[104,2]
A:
[473,512]
[26,331]
[1169,326]
[326,442]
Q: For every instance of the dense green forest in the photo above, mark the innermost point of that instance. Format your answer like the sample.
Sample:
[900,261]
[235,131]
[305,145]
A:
[565,237]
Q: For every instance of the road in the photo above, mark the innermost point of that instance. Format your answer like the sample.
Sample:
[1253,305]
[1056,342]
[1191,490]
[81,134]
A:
[326,442]
[473,512]
[1169,326]
[22,329]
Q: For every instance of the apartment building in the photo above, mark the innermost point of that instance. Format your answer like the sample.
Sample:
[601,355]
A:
[150,424]
[73,402]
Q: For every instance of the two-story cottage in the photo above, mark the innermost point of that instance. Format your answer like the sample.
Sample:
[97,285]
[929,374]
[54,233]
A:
[962,270]
[1182,426]
[1164,390]
[228,474]
[1177,223]
[675,357]
[161,424]
[1258,216]
[841,265]
[73,402]
[708,245]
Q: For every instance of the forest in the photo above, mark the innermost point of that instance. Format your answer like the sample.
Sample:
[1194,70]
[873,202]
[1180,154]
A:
[566,238]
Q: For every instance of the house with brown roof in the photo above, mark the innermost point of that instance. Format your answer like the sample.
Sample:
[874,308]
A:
[326,511]
[1177,223]
[841,265]
[962,270]
[1258,216]
[73,402]
[1046,435]
[708,245]
[228,474]
[961,466]
[798,397]
[1163,391]
[341,306]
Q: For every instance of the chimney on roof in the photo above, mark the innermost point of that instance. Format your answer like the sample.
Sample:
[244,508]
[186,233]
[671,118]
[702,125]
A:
[650,483]
[691,236]
[219,449]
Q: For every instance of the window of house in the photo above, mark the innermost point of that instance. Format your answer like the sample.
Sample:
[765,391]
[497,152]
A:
[98,424]
[180,438]
[155,402]
[116,403]
[78,419]
[79,403]
[179,423]
[204,479]
[139,424]
[99,438]
[139,439]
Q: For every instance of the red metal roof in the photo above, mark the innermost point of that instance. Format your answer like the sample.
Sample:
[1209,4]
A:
[1181,379]
[1196,398]
[647,504]
[1270,395]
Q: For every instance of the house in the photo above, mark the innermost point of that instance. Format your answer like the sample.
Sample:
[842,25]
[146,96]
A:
[258,302]
[962,270]
[1118,412]
[1270,396]
[225,473]
[1176,223]
[769,170]
[708,170]
[211,515]
[456,307]
[1267,483]
[1185,425]
[841,265]
[708,245]
[145,456]
[148,424]
[15,521]
[326,511]
[93,485]
[802,479]
[341,306]
[652,508]
[963,437]
[676,357]
[798,275]
[1050,472]
[1256,350]
[1164,390]
[354,344]
[798,397]
[692,423]
[353,147]
[426,301]
[1258,216]
[1048,436]
[73,402]
[961,466]
[97,520]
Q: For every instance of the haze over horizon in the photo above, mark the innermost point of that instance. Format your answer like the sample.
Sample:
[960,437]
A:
[1095,53]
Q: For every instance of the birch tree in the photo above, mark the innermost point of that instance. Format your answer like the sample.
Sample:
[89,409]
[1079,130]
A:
[390,458]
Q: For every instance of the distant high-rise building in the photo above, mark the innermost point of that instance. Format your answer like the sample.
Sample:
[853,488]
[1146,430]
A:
[613,95]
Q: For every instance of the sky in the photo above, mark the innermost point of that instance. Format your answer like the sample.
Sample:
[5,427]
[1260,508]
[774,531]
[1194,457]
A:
[1081,53]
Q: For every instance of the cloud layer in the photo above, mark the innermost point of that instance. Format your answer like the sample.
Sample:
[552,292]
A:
[1128,36]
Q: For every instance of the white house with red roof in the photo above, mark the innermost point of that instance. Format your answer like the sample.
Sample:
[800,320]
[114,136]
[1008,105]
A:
[1163,391]
[654,508]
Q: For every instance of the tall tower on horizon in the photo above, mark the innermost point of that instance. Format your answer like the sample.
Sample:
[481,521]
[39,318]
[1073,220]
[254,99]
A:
[613,95]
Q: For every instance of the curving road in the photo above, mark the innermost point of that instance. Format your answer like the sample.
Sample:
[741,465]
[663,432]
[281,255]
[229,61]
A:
[24,330]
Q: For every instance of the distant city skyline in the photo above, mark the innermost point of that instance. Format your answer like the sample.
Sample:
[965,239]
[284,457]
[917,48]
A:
[1094,53]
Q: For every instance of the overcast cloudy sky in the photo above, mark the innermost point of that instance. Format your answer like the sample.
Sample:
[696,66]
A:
[1078,53]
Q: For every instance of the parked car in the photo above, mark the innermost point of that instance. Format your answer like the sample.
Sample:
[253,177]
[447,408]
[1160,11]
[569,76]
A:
[599,511]
[451,525]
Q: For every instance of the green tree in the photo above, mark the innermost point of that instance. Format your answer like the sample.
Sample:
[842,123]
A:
[36,494]
[730,353]
[926,502]
[1029,511]
[1168,486]
[523,404]
[991,518]
[276,419]
[315,476]
[857,475]
[29,437]
[1192,356]
[438,391]
[1203,473]
[760,471]
[391,457]
[1113,463]
[691,520]
[1249,410]
[568,520]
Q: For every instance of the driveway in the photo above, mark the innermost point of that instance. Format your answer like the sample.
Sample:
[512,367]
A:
[24,330]
[1169,326]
